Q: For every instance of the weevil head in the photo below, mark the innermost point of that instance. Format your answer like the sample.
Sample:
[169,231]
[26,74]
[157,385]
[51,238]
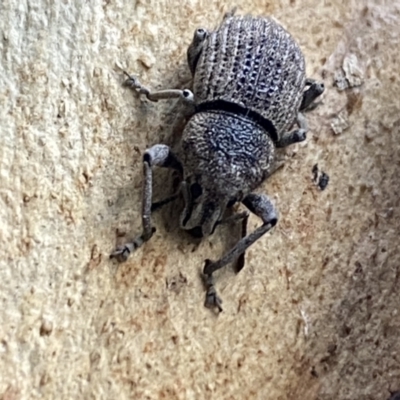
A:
[224,158]
[204,208]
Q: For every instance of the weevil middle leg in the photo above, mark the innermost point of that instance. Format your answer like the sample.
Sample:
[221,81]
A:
[299,135]
[296,136]
[133,83]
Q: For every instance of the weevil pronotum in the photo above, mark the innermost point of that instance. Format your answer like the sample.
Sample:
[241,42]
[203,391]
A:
[249,90]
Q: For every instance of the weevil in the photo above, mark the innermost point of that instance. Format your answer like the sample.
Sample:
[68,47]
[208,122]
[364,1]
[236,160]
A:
[249,90]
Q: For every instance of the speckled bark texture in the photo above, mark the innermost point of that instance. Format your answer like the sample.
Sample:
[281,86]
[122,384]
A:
[315,312]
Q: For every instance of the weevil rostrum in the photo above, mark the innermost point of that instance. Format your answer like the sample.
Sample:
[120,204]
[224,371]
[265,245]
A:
[249,91]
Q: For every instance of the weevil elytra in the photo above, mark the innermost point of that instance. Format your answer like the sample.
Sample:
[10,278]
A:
[249,90]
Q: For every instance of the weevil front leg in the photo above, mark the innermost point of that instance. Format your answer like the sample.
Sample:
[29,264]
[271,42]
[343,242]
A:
[159,155]
[243,218]
[260,205]
[133,83]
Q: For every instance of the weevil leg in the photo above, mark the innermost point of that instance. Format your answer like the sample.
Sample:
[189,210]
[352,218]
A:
[295,136]
[195,48]
[241,259]
[278,163]
[133,83]
[212,299]
[310,81]
[243,217]
[229,14]
[260,205]
[161,156]
[315,90]
[234,218]
[159,204]
[299,135]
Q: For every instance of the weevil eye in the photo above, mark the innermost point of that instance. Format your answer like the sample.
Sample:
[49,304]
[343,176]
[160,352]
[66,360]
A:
[231,202]
[195,190]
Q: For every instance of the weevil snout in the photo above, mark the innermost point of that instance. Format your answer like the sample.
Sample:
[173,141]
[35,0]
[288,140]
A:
[203,210]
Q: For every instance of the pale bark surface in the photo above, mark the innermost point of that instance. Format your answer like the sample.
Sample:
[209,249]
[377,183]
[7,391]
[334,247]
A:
[315,312]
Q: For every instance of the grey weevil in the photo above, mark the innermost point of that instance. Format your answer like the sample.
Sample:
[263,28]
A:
[249,89]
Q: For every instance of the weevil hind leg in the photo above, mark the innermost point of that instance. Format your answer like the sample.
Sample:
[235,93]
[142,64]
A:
[230,13]
[133,83]
[261,206]
[314,91]
[195,48]
[296,136]
[299,135]
[159,155]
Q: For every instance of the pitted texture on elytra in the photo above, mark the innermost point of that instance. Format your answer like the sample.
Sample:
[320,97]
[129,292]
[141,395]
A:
[256,63]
